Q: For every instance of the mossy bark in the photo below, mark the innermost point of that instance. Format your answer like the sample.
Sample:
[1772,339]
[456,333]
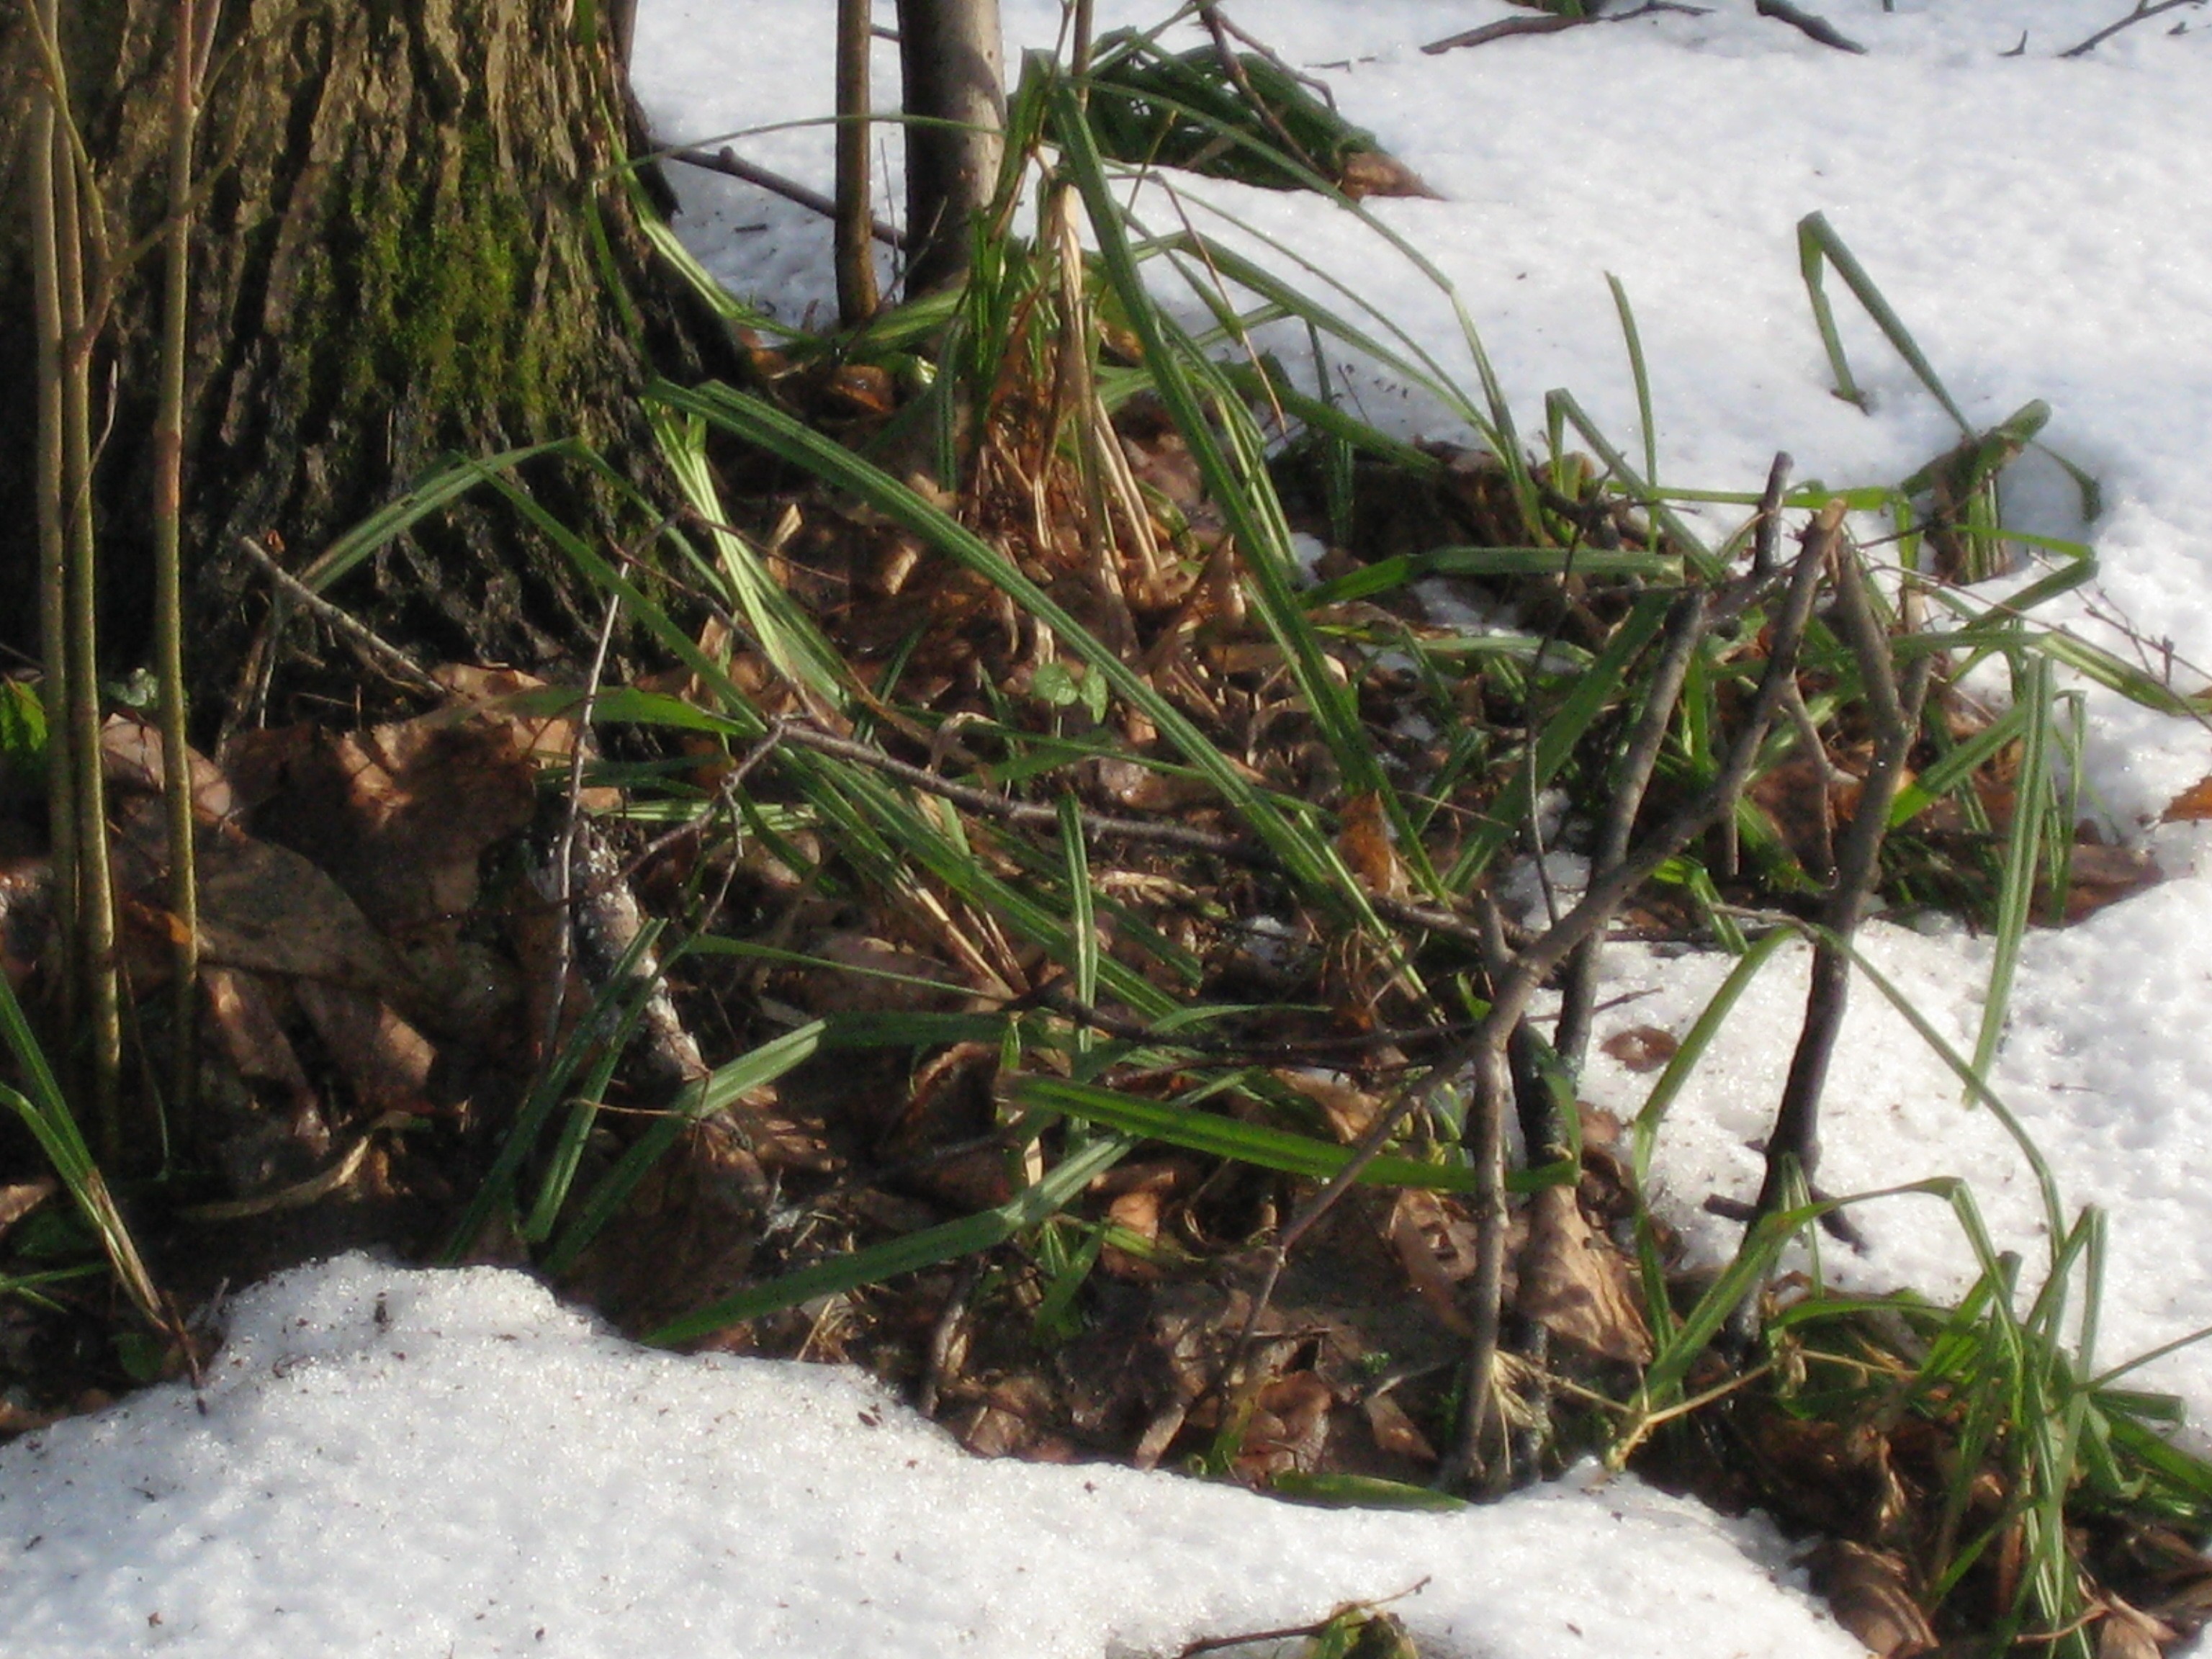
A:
[413,241]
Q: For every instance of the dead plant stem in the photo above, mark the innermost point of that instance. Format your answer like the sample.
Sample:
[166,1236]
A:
[2145,10]
[564,850]
[1684,632]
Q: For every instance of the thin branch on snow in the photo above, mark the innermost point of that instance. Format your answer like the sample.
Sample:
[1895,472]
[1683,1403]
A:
[2145,10]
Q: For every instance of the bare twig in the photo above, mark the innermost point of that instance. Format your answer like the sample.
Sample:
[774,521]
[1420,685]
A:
[1554,24]
[1793,1147]
[726,161]
[1486,1052]
[2145,10]
[1816,754]
[1768,533]
[1685,627]
[944,1344]
[1815,28]
[1505,28]
[564,849]
[1209,14]
[402,666]
[1249,854]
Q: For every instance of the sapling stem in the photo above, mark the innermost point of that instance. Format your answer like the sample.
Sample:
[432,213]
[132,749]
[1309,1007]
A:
[1484,1136]
[168,564]
[855,255]
[101,1003]
[1793,1147]
[53,559]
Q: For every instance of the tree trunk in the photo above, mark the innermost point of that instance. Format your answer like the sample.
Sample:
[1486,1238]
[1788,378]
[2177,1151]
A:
[951,61]
[411,242]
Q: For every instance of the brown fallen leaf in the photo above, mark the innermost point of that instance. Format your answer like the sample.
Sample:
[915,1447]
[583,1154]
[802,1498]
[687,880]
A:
[266,908]
[1349,1110]
[1374,173]
[2192,806]
[1364,842]
[1436,1246]
[868,975]
[2099,876]
[240,1014]
[20,1199]
[1393,1431]
[2127,1632]
[1576,1285]
[1870,1593]
[1642,1047]
[130,759]
[387,1061]
[1288,1428]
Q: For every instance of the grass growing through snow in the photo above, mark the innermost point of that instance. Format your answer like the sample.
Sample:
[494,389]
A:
[1193,862]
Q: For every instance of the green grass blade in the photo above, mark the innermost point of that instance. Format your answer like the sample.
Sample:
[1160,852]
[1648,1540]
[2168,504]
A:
[1256,1144]
[966,1236]
[702,1099]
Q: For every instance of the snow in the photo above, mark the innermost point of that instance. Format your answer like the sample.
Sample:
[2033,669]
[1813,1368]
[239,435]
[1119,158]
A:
[477,1466]
[411,1463]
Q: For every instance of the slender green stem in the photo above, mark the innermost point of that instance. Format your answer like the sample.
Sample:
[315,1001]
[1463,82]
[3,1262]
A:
[53,583]
[168,566]
[101,1005]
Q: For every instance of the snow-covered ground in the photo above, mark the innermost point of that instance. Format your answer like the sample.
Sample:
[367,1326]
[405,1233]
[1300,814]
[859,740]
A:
[475,1471]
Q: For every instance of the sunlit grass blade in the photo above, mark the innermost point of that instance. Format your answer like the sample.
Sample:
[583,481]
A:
[2025,842]
[44,1112]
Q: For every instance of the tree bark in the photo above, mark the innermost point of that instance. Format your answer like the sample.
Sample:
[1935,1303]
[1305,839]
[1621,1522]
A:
[412,242]
[952,61]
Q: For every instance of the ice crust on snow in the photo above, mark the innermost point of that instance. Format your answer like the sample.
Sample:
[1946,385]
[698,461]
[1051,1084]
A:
[408,1463]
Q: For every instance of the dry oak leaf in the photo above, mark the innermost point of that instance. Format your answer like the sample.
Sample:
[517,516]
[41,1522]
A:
[1393,1431]
[1576,1285]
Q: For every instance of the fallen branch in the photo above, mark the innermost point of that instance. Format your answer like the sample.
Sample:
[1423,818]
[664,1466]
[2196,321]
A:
[1553,24]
